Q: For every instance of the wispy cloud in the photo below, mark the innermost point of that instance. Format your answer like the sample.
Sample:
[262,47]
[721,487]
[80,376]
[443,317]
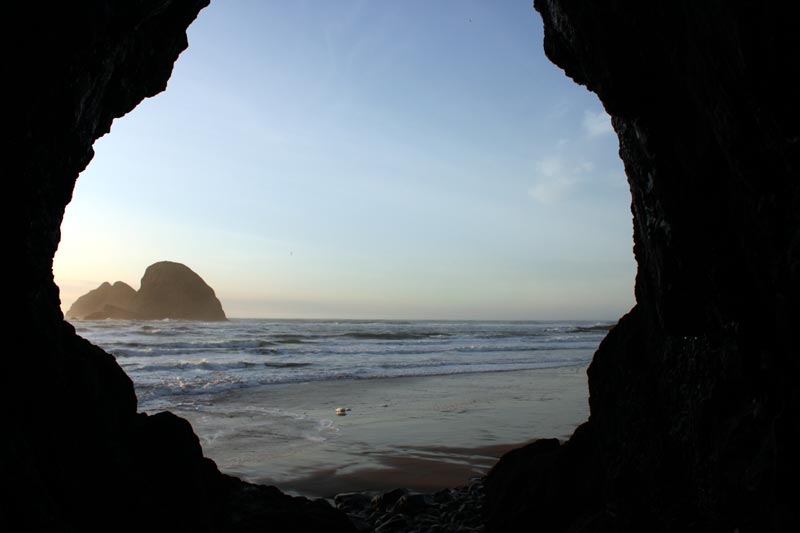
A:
[596,124]
[554,182]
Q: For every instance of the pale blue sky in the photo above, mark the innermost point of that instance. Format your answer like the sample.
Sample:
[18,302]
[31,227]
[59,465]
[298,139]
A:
[356,159]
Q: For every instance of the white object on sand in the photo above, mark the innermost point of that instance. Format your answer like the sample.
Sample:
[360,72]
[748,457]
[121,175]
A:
[341,411]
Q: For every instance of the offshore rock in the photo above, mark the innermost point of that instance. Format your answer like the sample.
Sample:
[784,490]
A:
[104,301]
[112,312]
[168,290]
[694,396]
[173,290]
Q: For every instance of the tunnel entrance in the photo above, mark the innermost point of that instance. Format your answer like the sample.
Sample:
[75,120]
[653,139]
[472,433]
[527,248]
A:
[417,218]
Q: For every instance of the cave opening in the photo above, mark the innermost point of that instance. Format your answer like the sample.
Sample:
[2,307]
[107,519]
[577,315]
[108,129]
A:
[367,174]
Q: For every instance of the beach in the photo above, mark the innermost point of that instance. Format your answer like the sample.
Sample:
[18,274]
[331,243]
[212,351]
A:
[431,404]
[423,433]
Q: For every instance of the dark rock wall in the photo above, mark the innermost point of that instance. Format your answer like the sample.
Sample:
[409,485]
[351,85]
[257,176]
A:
[695,420]
[695,402]
[69,70]
[74,454]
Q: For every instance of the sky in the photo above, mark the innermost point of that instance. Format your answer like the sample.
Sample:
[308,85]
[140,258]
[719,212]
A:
[364,159]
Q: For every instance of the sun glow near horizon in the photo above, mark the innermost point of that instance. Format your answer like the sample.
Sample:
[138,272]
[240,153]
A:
[363,161]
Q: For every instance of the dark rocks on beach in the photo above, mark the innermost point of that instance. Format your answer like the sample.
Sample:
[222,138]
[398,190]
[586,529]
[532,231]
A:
[561,478]
[385,501]
[412,504]
[168,290]
[250,508]
[458,509]
[352,502]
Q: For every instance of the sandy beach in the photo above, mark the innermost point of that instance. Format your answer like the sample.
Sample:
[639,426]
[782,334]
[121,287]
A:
[422,433]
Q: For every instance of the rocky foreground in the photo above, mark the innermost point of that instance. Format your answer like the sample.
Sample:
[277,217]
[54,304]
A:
[458,509]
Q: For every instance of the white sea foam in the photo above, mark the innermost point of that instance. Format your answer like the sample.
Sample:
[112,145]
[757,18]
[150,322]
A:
[174,361]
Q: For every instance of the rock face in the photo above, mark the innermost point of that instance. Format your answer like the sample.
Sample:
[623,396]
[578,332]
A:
[456,509]
[104,301]
[74,454]
[695,403]
[173,290]
[168,290]
[694,395]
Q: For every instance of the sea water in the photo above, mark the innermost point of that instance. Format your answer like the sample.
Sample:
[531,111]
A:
[178,362]
[261,394]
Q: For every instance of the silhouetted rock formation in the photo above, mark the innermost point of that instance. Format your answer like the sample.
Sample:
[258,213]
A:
[168,290]
[74,453]
[114,312]
[104,301]
[695,398]
[173,290]
[695,401]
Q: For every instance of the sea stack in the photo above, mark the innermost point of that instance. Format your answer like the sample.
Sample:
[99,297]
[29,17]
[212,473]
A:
[173,290]
[106,301]
[168,290]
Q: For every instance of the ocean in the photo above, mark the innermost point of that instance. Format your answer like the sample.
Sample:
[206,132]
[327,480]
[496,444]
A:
[175,363]
[421,397]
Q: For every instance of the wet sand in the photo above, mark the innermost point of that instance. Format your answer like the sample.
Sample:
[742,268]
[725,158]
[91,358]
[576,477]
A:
[422,433]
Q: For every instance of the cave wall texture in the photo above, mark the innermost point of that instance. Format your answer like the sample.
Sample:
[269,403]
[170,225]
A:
[695,419]
[694,399]
[74,454]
